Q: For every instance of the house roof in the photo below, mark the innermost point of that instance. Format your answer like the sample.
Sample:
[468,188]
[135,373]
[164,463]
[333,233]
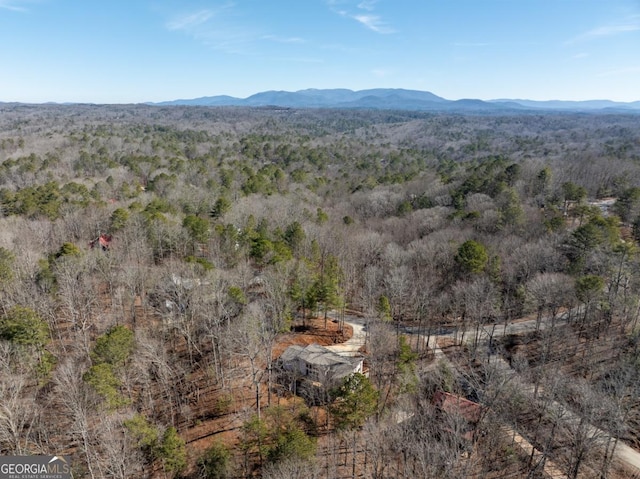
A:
[104,240]
[453,404]
[322,357]
[291,353]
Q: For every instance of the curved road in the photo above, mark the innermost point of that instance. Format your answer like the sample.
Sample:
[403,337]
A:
[351,347]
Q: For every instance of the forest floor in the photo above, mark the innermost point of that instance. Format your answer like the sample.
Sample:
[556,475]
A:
[225,429]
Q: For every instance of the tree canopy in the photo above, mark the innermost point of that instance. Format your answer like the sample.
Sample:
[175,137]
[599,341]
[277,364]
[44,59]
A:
[354,401]
[23,326]
[472,256]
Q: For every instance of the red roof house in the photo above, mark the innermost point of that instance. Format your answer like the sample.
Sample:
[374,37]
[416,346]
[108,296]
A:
[104,241]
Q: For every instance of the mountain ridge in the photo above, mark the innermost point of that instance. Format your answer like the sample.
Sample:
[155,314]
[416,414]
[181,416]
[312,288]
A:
[396,99]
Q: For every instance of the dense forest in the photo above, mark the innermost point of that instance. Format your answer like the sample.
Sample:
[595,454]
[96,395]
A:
[155,262]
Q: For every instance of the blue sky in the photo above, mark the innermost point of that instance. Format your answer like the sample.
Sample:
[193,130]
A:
[122,51]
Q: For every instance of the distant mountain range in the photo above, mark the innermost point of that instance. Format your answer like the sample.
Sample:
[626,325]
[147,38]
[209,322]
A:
[397,99]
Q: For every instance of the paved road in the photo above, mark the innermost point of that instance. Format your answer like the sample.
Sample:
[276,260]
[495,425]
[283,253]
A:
[629,456]
[550,468]
[623,452]
[352,346]
[486,331]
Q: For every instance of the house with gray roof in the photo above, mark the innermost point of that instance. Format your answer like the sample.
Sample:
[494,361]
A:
[314,369]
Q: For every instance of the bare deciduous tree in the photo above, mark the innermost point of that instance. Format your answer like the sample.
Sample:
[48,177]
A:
[19,413]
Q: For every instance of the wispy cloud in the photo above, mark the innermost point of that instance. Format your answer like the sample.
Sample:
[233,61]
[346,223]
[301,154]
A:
[190,21]
[362,12]
[14,5]
[374,22]
[217,29]
[227,28]
[620,72]
[368,5]
[279,39]
[580,55]
[630,24]
[610,30]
